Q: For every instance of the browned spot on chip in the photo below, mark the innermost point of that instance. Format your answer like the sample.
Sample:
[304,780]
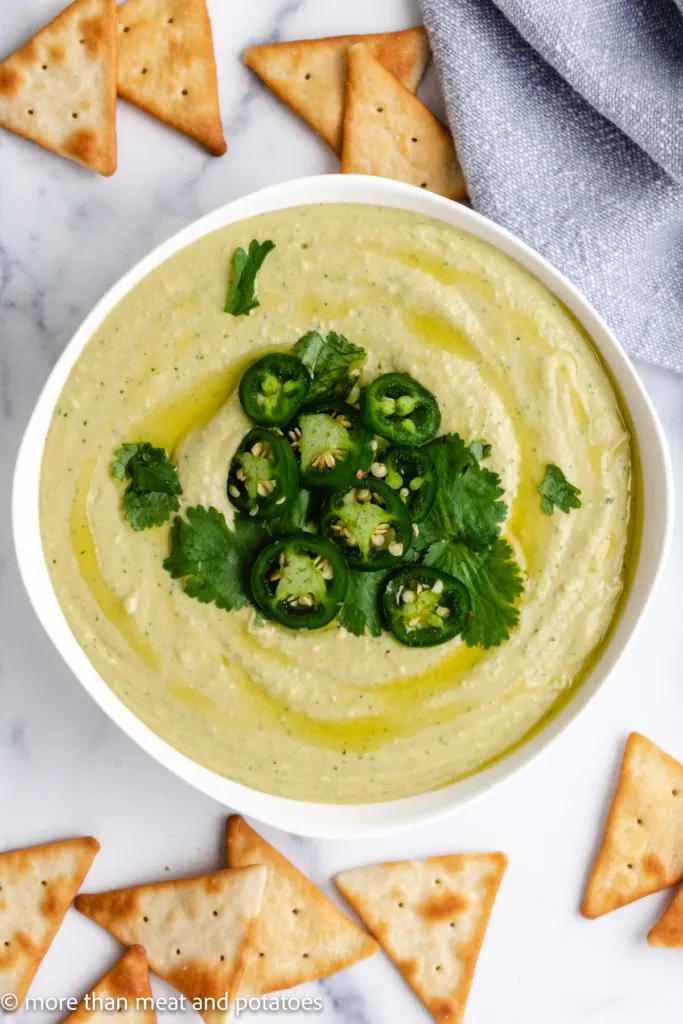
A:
[57,55]
[94,32]
[121,904]
[180,53]
[54,901]
[199,980]
[11,81]
[652,865]
[213,884]
[409,969]
[28,53]
[19,947]
[445,905]
[82,145]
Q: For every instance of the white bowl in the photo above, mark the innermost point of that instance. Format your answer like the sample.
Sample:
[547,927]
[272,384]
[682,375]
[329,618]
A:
[655,518]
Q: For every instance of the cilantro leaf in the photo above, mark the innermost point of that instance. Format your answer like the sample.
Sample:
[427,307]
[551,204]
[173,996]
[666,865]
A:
[331,362]
[494,582]
[466,506]
[556,491]
[206,555]
[245,267]
[361,612]
[153,488]
[152,508]
[480,450]
[124,455]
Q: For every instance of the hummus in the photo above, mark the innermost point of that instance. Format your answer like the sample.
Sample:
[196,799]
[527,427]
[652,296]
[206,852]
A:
[327,716]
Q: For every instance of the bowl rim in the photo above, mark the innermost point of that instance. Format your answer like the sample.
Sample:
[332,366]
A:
[351,821]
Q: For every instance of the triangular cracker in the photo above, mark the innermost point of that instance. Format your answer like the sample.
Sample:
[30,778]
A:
[390,133]
[59,88]
[642,848]
[301,936]
[37,887]
[310,74]
[430,916]
[196,931]
[167,66]
[669,929]
[123,991]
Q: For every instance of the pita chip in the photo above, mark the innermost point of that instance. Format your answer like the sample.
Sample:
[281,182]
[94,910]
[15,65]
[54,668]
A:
[167,66]
[669,929]
[59,88]
[310,74]
[37,887]
[196,931]
[124,990]
[642,848]
[302,936]
[431,917]
[390,133]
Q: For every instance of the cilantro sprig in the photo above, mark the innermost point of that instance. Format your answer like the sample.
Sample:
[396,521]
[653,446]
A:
[205,555]
[245,266]
[214,561]
[333,362]
[494,581]
[557,492]
[467,505]
[461,536]
[153,488]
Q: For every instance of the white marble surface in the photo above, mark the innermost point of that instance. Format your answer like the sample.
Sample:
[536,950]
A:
[65,236]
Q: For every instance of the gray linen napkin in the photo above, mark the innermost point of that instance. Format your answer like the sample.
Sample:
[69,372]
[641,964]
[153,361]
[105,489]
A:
[568,119]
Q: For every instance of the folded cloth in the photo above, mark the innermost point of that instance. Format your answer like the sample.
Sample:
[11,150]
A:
[568,120]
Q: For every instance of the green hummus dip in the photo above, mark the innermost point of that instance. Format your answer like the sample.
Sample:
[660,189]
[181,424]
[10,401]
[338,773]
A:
[327,716]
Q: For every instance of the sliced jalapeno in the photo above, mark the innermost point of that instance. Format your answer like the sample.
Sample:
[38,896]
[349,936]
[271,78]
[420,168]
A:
[330,442]
[370,523]
[412,474]
[273,388]
[263,479]
[424,607]
[399,408]
[300,581]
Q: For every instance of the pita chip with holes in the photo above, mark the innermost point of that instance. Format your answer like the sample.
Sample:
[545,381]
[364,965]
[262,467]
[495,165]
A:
[167,66]
[37,887]
[431,917]
[59,88]
[196,931]
[124,990]
[310,74]
[300,936]
[641,849]
[391,133]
